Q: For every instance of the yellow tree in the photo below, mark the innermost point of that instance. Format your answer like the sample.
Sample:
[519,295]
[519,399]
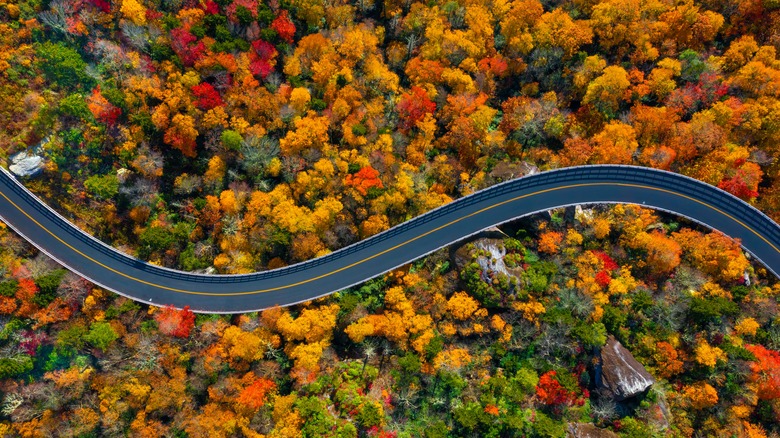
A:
[215,172]
[462,306]
[310,133]
[686,26]
[707,355]
[134,11]
[607,91]
[615,144]
[701,395]
[663,253]
[517,24]
[307,337]
[181,134]
[558,29]
[715,253]
[550,242]
[399,323]
[616,23]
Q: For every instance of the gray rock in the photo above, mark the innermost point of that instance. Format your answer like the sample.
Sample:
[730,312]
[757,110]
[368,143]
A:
[29,162]
[490,264]
[587,430]
[620,373]
[123,174]
[659,414]
[26,164]
[583,214]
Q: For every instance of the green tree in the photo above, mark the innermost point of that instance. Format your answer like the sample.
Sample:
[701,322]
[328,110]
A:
[72,337]
[101,335]
[8,288]
[592,335]
[102,186]
[704,310]
[63,66]
[47,287]
[546,427]
[231,139]
[14,366]
[74,105]
[155,239]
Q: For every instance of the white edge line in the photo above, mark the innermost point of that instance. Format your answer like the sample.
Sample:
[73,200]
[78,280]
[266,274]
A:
[376,236]
[419,256]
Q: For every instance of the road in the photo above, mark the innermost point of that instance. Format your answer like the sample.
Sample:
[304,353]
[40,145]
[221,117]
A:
[115,271]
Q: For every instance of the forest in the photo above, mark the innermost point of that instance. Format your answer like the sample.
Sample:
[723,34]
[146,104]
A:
[234,136]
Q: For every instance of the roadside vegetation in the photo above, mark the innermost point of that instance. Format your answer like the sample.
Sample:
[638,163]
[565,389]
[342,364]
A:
[235,136]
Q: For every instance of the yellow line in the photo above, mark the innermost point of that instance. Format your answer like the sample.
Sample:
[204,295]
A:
[287,286]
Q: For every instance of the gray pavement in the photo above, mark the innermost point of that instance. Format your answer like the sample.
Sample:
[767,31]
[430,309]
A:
[135,279]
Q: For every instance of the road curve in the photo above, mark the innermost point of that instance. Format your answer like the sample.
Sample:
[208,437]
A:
[113,270]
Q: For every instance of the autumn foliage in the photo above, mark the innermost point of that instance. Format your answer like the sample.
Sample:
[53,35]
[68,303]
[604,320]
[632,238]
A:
[283,26]
[255,394]
[766,371]
[550,391]
[245,135]
[413,106]
[173,322]
[208,97]
[187,46]
[262,58]
[364,180]
[102,109]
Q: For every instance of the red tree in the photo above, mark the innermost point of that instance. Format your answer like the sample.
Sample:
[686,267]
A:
[364,179]
[413,106]
[254,394]
[208,97]
[550,391]
[744,183]
[284,27]
[603,278]
[766,371]
[103,5]
[494,65]
[185,45]
[152,15]
[609,264]
[261,58]
[210,7]
[174,322]
[102,109]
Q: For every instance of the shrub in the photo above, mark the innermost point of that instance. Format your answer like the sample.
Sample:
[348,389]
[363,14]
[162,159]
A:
[712,309]
[75,106]
[101,335]
[102,186]
[63,66]
[14,366]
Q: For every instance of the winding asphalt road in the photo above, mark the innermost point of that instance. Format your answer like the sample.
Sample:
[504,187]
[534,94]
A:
[113,270]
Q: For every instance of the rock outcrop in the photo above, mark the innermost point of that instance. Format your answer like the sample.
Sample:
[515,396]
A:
[587,430]
[25,164]
[29,162]
[491,262]
[621,374]
[504,171]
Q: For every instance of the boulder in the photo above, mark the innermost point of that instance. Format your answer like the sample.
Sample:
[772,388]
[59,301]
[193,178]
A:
[621,374]
[25,164]
[490,264]
[584,215]
[659,415]
[587,430]
[504,171]
[123,174]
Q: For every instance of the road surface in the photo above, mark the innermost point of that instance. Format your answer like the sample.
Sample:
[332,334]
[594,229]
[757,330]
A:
[133,278]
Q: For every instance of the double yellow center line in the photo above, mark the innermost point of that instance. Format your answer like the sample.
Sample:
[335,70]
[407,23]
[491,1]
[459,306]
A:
[393,248]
